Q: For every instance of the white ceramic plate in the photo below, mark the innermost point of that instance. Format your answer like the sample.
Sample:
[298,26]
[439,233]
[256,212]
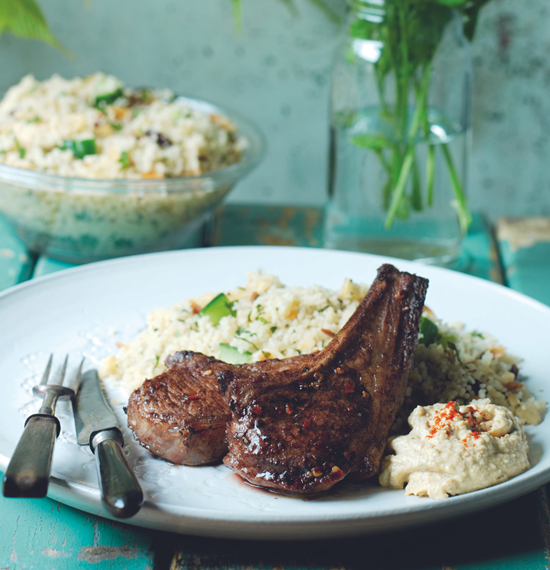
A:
[78,310]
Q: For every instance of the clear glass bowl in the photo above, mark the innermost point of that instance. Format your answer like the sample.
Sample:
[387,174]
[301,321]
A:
[79,220]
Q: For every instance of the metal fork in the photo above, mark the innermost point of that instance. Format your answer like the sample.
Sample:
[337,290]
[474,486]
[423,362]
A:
[28,472]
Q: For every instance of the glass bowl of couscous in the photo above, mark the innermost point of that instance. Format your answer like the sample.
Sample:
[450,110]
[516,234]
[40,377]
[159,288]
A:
[91,169]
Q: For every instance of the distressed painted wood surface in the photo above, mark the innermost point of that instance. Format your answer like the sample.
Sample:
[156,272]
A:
[488,540]
[44,534]
[524,245]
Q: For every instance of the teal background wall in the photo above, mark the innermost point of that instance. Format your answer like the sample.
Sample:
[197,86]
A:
[277,72]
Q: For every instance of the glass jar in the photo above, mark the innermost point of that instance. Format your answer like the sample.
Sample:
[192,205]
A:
[400,132]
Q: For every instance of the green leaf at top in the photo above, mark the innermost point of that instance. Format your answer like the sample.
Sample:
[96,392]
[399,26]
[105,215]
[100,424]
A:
[25,19]
[370,141]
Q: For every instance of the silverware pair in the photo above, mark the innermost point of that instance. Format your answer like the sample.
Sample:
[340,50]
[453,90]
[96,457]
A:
[29,469]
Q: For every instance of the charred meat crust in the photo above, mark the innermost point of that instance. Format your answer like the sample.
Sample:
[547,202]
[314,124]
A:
[179,415]
[306,426]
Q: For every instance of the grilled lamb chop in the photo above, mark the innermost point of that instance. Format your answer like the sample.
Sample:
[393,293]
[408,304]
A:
[305,427]
[300,424]
[180,415]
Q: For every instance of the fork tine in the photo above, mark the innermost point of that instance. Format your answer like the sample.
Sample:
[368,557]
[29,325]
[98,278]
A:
[46,374]
[78,376]
[61,376]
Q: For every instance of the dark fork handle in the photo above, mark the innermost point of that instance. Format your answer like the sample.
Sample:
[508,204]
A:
[28,472]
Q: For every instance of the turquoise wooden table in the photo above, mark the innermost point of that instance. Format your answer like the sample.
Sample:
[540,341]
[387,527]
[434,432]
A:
[43,534]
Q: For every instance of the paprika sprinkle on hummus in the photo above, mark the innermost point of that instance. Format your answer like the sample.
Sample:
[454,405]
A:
[454,449]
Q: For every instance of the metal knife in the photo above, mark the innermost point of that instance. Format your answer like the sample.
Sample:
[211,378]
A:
[96,426]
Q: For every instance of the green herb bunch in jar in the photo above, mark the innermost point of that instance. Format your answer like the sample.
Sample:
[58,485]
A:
[400,129]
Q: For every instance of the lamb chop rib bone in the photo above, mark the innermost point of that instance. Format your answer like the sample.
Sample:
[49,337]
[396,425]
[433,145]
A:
[304,424]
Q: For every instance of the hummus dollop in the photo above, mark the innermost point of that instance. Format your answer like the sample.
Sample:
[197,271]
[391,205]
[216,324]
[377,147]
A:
[454,449]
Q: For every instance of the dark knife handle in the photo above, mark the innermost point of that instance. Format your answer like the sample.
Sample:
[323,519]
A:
[28,472]
[120,489]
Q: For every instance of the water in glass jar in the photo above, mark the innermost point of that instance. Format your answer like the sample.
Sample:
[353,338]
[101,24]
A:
[361,185]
